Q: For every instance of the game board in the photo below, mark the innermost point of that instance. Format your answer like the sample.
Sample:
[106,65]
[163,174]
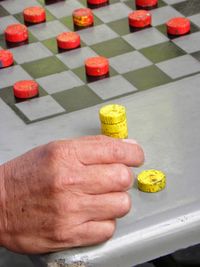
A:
[155,76]
[139,60]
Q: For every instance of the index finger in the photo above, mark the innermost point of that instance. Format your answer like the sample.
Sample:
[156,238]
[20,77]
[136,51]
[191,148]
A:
[106,150]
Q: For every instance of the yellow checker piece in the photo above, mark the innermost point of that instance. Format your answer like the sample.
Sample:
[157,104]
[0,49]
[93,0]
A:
[151,181]
[121,134]
[112,114]
[114,128]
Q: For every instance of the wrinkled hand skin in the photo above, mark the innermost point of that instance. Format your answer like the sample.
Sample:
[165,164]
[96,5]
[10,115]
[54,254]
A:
[65,194]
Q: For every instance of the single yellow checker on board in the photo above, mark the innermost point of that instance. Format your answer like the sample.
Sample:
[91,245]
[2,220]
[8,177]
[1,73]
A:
[112,114]
[151,181]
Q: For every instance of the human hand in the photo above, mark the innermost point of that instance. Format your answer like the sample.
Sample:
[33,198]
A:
[66,193]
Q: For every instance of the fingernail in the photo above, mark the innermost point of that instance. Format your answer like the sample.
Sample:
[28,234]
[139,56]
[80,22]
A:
[130,141]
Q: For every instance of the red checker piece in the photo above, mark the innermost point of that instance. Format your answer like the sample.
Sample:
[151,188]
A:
[26,89]
[139,19]
[83,17]
[68,40]
[97,2]
[146,3]
[178,26]
[16,33]
[97,66]
[6,58]
[34,14]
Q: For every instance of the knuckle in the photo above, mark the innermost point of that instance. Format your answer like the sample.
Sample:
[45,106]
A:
[112,171]
[60,149]
[68,180]
[56,183]
[116,151]
[61,165]
[53,150]
[63,206]
[60,207]
[110,229]
[55,207]
[86,231]
[58,235]
[125,203]
[125,176]
[52,146]
[140,155]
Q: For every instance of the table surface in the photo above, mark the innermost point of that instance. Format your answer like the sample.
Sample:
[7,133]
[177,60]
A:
[161,92]
[166,122]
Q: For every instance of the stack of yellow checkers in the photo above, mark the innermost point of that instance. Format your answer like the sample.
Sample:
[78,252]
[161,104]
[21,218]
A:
[113,121]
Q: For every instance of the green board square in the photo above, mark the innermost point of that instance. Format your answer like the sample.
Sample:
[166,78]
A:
[42,2]
[68,22]
[188,7]
[196,55]
[77,98]
[130,4]
[51,44]
[19,17]
[2,41]
[161,52]
[3,12]
[120,26]
[31,38]
[147,77]
[113,1]
[161,3]
[44,67]
[112,47]
[83,2]
[80,72]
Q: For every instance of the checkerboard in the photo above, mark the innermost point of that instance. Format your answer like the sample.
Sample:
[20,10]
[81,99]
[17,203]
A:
[139,60]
